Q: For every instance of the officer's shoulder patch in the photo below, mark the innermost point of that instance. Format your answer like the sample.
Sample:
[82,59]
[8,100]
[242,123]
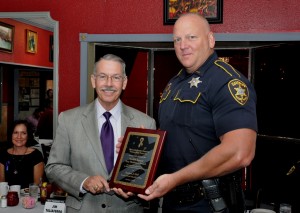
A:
[239,91]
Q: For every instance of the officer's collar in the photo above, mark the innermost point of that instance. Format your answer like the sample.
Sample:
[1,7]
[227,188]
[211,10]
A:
[208,62]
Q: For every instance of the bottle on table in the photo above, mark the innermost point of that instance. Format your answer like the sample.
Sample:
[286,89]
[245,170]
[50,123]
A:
[43,194]
[3,203]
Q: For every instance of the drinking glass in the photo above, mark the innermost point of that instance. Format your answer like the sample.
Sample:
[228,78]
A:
[4,187]
[285,208]
[15,188]
[34,191]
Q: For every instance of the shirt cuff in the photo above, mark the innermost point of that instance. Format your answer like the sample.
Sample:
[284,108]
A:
[82,190]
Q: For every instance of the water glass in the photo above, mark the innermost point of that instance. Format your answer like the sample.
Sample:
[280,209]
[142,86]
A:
[15,188]
[4,187]
[34,191]
[285,208]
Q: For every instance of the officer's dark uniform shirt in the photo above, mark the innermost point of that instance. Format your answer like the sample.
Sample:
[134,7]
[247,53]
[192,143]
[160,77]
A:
[196,109]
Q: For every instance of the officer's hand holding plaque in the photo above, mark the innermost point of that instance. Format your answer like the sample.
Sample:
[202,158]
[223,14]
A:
[138,158]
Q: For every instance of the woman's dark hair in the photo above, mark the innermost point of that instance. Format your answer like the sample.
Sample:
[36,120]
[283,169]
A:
[30,139]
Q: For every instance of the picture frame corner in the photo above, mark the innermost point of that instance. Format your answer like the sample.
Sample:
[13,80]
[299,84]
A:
[216,12]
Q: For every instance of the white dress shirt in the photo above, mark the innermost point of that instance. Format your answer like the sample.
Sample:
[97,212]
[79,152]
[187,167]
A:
[115,120]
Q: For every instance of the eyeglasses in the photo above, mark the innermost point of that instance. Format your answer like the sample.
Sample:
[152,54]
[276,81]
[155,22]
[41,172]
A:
[114,78]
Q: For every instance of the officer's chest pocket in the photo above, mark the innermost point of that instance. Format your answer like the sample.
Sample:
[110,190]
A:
[187,96]
[187,106]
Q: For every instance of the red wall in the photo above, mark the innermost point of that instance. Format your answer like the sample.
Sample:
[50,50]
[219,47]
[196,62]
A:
[142,17]
[19,54]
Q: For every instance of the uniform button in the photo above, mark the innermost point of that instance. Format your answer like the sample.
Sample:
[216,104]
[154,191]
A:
[103,205]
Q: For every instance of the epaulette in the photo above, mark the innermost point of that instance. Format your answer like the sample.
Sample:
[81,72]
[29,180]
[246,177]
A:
[227,68]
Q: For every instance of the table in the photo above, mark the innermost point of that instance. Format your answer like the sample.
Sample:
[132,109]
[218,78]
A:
[39,208]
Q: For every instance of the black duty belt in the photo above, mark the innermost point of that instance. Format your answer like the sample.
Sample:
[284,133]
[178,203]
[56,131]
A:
[187,193]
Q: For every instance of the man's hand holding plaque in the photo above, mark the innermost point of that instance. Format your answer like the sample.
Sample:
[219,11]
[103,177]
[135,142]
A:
[137,161]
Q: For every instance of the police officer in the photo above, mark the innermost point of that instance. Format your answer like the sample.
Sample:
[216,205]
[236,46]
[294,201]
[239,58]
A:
[209,112]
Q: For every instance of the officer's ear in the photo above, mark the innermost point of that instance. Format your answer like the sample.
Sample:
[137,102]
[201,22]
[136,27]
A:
[211,39]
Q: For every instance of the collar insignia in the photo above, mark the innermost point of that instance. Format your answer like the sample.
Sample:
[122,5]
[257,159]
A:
[194,82]
[239,91]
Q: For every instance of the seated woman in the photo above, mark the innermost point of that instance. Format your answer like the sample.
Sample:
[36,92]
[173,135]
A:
[21,164]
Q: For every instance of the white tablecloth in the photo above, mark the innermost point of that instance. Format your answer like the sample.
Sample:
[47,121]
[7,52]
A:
[39,208]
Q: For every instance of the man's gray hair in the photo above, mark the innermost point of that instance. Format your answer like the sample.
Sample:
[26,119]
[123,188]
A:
[111,57]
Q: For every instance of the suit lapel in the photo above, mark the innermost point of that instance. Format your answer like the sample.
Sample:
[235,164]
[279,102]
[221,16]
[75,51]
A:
[126,119]
[90,126]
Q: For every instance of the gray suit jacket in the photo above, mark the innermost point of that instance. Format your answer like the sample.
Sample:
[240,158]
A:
[76,153]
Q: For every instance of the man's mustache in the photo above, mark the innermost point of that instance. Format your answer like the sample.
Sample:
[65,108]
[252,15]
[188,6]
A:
[108,89]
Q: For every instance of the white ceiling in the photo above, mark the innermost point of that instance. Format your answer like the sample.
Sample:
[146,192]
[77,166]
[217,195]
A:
[37,22]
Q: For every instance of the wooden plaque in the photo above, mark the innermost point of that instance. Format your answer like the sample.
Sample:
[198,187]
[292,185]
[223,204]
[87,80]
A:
[138,159]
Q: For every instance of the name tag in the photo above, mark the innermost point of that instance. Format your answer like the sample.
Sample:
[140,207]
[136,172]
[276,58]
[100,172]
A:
[55,206]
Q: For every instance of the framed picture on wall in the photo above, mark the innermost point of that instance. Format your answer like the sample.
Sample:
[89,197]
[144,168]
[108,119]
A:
[6,37]
[31,41]
[210,9]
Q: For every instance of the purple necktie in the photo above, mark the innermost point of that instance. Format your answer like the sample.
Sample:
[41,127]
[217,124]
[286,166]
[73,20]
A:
[107,141]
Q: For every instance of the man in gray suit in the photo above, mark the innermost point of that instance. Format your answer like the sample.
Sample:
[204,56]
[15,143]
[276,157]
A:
[76,161]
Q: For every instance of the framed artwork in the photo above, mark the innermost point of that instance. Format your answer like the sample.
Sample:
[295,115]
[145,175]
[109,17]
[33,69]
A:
[31,41]
[210,9]
[6,37]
